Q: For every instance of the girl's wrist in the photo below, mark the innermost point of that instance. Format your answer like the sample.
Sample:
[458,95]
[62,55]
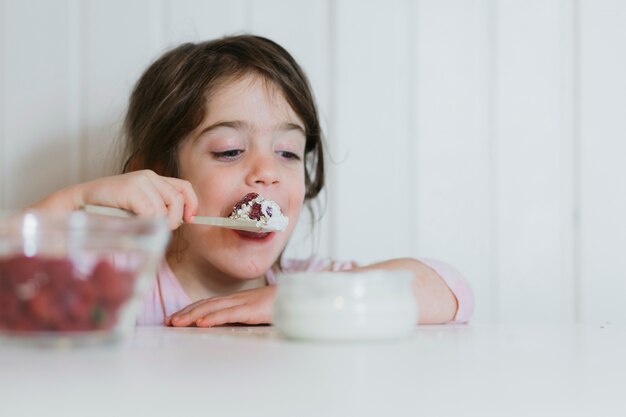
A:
[65,199]
[76,196]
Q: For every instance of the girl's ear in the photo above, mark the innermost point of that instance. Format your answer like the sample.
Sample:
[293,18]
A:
[133,164]
[136,163]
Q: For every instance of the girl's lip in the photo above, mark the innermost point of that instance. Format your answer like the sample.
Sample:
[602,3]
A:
[259,237]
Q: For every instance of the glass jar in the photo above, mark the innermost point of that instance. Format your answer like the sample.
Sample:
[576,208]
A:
[74,277]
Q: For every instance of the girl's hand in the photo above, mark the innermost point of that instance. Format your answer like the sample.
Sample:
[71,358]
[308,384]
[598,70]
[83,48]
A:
[143,192]
[246,307]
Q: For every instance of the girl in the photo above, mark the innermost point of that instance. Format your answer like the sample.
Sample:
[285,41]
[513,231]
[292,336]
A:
[207,124]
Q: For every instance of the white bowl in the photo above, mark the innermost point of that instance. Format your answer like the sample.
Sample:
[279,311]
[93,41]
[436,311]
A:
[345,305]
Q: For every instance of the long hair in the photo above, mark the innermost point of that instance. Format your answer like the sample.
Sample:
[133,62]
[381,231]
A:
[170,100]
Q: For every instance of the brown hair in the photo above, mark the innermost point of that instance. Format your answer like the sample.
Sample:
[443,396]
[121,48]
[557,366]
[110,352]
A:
[169,100]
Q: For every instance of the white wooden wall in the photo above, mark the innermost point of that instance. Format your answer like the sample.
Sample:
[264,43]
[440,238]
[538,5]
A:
[489,133]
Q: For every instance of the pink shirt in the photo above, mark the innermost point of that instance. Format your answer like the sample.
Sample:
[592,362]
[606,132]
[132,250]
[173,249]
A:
[167,296]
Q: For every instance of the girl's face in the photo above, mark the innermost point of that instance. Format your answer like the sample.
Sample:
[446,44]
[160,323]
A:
[250,141]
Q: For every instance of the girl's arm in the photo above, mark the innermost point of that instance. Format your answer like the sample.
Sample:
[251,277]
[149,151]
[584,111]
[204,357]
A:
[142,192]
[437,304]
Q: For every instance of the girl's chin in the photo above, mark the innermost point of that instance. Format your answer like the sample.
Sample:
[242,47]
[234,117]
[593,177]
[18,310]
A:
[241,269]
[246,275]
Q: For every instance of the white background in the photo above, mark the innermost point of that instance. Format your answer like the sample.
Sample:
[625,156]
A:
[488,133]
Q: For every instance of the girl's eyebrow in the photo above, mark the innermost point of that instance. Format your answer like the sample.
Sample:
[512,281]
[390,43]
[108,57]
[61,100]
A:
[242,125]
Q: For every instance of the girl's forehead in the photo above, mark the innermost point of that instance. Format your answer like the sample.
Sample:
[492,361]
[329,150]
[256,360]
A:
[249,96]
[243,85]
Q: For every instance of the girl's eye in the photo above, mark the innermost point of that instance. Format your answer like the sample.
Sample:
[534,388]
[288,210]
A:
[289,155]
[228,155]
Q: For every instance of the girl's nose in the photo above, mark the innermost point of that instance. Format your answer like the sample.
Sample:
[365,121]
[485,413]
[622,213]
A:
[264,171]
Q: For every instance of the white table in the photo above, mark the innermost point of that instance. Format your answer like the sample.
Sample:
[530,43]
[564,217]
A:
[474,370]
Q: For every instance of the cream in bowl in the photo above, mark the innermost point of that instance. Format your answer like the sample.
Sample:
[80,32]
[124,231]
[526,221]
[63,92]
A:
[345,305]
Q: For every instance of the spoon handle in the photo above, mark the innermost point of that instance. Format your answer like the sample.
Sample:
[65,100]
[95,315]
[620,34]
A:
[245,225]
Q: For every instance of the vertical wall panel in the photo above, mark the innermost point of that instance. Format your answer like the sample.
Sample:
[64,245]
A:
[451,156]
[530,158]
[371,133]
[603,151]
[199,20]
[74,88]
[3,97]
[118,44]
[37,152]
[308,41]
[569,161]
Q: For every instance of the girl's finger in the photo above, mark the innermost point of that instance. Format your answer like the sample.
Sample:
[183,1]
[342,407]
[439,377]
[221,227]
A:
[146,203]
[190,198]
[168,196]
[235,314]
[181,312]
[191,314]
[193,305]
[142,196]
[173,201]
[178,197]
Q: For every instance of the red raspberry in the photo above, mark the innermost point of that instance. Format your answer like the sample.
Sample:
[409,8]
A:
[60,272]
[4,276]
[114,287]
[107,317]
[9,309]
[255,211]
[44,309]
[24,323]
[72,325]
[78,301]
[245,200]
[20,269]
